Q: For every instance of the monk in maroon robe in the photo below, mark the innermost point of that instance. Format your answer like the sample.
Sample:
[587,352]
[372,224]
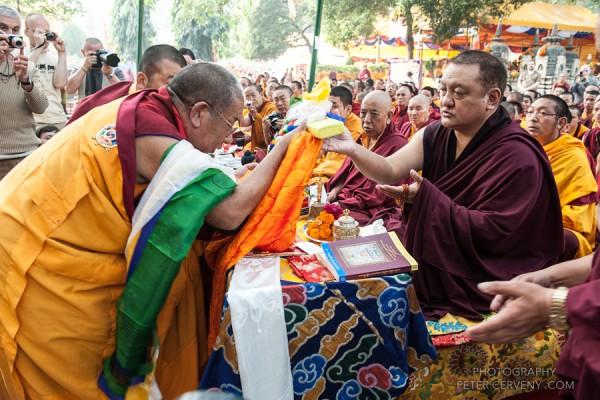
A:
[486,205]
[403,96]
[349,187]
[158,65]
[419,114]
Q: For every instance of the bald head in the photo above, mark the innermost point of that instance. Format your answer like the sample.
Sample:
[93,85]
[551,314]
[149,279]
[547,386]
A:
[419,108]
[376,113]
[378,98]
[421,99]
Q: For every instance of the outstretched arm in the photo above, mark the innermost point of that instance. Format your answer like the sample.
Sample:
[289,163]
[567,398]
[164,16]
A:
[383,170]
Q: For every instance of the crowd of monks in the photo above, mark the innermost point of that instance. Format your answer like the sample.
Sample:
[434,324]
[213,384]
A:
[482,185]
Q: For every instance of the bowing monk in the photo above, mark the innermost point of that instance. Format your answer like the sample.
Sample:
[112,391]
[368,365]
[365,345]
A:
[258,109]
[158,65]
[350,187]
[419,115]
[469,221]
[341,104]
[575,181]
[77,317]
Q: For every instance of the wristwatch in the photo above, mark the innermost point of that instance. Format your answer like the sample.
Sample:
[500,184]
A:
[28,82]
[110,76]
[558,310]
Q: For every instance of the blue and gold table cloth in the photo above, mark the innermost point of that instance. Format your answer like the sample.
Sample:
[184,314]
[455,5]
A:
[347,340]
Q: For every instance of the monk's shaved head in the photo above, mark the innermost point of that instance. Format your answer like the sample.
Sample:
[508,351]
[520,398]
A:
[376,113]
[380,99]
[420,99]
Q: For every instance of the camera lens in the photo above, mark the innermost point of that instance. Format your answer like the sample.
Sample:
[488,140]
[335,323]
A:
[15,41]
[50,36]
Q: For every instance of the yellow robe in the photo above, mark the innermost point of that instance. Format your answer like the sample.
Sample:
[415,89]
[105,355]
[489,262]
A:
[328,165]
[62,270]
[258,137]
[574,180]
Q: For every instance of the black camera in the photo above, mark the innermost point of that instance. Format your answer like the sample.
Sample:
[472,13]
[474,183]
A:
[15,41]
[103,56]
[273,118]
[50,36]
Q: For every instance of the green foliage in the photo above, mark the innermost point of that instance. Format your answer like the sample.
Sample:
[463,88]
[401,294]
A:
[430,65]
[350,61]
[352,69]
[272,31]
[346,20]
[124,28]
[74,37]
[446,17]
[61,9]
[199,24]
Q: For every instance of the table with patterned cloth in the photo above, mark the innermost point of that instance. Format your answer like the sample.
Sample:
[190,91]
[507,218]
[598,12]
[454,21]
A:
[465,369]
[347,340]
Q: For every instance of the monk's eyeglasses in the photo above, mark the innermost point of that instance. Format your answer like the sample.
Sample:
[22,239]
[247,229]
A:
[232,126]
[541,114]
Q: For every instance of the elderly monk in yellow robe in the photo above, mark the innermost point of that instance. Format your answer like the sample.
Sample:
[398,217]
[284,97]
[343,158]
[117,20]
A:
[419,115]
[577,188]
[341,103]
[78,304]
[258,109]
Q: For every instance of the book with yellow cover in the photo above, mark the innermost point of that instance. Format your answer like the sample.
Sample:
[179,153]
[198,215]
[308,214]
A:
[367,257]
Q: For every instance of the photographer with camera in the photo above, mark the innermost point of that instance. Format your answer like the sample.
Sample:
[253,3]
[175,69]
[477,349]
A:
[97,72]
[51,62]
[20,94]
[258,108]
[273,122]
[581,82]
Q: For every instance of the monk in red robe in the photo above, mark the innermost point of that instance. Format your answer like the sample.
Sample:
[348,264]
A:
[419,113]
[403,96]
[349,187]
[469,220]
[158,66]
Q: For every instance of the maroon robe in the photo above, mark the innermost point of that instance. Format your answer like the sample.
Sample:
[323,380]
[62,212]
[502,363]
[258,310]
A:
[405,129]
[435,114]
[580,358]
[491,214]
[101,97]
[589,122]
[356,108]
[400,116]
[359,194]
[591,140]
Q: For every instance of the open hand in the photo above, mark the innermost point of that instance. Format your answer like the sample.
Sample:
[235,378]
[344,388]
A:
[397,192]
[525,314]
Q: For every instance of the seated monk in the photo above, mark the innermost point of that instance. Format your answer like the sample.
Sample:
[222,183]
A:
[330,163]
[419,114]
[353,190]
[400,112]
[577,187]
[259,108]
[469,222]
[158,65]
